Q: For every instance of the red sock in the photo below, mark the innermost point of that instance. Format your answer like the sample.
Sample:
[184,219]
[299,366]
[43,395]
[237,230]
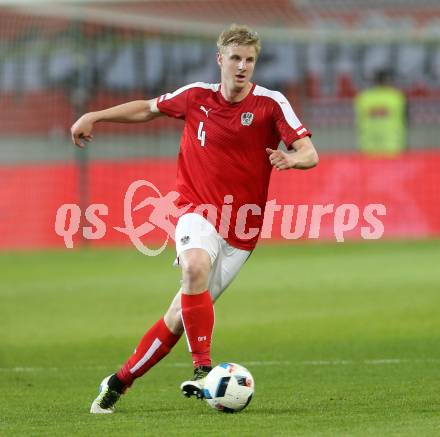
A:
[198,320]
[156,343]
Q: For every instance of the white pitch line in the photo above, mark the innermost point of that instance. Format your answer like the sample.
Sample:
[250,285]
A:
[383,361]
[49,369]
[387,361]
[266,363]
[369,362]
[326,362]
[28,369]
[245,363]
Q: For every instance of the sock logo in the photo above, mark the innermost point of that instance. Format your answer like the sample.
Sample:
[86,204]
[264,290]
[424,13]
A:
[203,338]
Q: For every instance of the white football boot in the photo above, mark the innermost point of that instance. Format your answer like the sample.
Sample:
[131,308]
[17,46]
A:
[194,386]
[106,400]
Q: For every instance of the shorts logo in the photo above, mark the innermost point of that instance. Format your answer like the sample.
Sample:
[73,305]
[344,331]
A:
[247,118]
[185,239]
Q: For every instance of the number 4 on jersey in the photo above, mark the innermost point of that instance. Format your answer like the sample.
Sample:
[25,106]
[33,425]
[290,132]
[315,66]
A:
[201,134]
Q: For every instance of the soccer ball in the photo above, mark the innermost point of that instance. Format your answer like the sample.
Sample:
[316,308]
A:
[228,388]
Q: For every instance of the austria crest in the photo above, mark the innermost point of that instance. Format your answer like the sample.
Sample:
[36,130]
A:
[247,118]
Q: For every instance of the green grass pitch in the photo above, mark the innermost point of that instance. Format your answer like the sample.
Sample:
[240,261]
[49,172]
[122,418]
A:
[343,340]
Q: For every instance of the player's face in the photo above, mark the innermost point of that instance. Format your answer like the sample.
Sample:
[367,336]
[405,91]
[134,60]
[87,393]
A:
[237,65]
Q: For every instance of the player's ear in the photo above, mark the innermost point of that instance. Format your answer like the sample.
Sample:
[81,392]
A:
[219,59]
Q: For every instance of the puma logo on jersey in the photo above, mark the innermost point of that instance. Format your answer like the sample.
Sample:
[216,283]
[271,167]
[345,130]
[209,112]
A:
[206,111]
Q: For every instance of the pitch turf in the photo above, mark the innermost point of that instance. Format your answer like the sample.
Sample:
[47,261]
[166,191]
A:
[343,340]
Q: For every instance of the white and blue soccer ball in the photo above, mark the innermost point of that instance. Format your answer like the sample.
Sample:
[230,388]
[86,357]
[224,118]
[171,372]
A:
[229,388]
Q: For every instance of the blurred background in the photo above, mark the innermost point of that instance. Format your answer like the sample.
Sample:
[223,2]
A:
[61,59]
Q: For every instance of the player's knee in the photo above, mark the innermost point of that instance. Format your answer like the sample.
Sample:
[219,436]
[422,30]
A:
[195,272]
[195,268]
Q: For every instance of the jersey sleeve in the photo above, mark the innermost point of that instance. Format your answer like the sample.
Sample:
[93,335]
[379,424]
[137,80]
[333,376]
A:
[287,124]
[174,104]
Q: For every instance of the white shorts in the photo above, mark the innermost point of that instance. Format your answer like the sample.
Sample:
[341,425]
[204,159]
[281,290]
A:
[195,232]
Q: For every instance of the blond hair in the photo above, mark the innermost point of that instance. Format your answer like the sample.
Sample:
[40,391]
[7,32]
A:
[239,35]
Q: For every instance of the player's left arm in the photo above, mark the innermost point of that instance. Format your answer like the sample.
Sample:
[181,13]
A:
[302,157]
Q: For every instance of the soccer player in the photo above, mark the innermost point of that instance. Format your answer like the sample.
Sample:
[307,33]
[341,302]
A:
[228,148]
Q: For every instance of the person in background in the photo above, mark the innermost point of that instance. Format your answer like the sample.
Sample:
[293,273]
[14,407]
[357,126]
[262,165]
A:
[381,117]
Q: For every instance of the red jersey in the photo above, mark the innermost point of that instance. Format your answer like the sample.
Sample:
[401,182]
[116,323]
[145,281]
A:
[222,153]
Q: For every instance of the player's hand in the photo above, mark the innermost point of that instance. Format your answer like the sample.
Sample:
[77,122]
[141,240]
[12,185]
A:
[279,159]
[82,131]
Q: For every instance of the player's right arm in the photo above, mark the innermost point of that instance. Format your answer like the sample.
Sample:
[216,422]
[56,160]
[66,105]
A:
[132,112]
